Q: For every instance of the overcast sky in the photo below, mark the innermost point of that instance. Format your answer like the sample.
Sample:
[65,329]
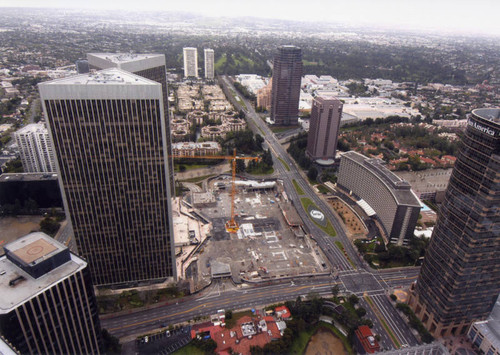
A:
[478,16]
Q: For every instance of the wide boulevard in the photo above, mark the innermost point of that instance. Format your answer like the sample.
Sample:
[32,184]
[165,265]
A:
[349,270]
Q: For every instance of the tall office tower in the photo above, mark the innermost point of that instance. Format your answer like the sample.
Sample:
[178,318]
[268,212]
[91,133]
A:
[287,74]
[110,138]
[324,130]
[149,66]
[190,62]
[209,63]
[460,278]
[35,148]
[47,304]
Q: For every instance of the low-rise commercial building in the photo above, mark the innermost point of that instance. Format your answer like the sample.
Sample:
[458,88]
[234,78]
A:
[193,149]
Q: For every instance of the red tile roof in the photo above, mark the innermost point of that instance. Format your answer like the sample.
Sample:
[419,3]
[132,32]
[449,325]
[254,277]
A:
[238,343]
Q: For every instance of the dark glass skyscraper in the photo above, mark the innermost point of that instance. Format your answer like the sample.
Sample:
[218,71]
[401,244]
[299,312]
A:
[287,74]
[460,277]
[150,66]
[110,140]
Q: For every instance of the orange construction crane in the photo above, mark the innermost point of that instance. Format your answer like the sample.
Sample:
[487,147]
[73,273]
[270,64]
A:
[231,226]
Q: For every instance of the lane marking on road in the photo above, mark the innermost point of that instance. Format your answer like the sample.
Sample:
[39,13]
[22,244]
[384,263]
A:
[217,303]
[382,321]
[401,278]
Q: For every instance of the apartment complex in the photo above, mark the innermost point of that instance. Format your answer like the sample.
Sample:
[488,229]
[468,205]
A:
[47,304]
[459,281]
[190,56]
[110,139]
[209,63]
[394,203]
[324,130]
[35,148]
[287,74]
[150,66]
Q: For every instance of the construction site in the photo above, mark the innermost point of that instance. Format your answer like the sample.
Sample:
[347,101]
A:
[266,240]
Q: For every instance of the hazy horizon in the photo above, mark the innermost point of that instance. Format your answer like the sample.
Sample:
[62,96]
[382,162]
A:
[446,16]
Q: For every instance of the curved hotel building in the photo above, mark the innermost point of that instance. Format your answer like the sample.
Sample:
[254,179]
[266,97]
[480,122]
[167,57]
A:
[391,198]
[460,278]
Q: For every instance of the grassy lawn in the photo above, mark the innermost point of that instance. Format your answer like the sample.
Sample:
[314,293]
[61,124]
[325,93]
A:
[382,321]
[198,179]
[189,350]
[306,203]
[342,249]
[262,172]
[323,189]
[297,187]
[190,166]
[280,129]
[284,164]
[299,344]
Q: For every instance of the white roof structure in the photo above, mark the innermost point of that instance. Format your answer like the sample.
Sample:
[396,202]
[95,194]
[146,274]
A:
[127,61]
[32,249]
[105,84]
[366,207]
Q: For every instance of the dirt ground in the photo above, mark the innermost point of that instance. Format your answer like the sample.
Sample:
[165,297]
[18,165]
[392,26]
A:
[11,228]
[324,343]
[351,221]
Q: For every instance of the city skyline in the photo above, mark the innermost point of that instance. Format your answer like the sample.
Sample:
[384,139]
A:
[443,16]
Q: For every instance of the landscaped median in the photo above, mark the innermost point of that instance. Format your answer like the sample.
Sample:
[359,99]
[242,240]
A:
[342,249]
[382,321]
[284,164]
[317,216]
[297,187]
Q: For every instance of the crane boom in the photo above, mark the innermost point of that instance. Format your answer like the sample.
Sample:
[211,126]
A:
[231,225]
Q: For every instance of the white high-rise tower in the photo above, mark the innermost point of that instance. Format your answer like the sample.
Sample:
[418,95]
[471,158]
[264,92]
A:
[35,149]
[190,62]
[209,63]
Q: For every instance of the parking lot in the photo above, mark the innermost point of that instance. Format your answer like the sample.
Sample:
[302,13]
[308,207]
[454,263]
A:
[164,342]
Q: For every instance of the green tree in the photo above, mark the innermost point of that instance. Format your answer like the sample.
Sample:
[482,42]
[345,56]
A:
[353,299]
[335,290]
[49,226]
[240,166]
[111,344]
[312,173]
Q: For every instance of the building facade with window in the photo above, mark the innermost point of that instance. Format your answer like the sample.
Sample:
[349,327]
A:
[459,281]
[150,66]
[324,130]
[395,204]
[110,141]
[287,76]
[35,148]
[47,304]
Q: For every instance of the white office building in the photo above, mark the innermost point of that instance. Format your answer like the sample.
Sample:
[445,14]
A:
[190,62]
[209,63]
[35,147]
